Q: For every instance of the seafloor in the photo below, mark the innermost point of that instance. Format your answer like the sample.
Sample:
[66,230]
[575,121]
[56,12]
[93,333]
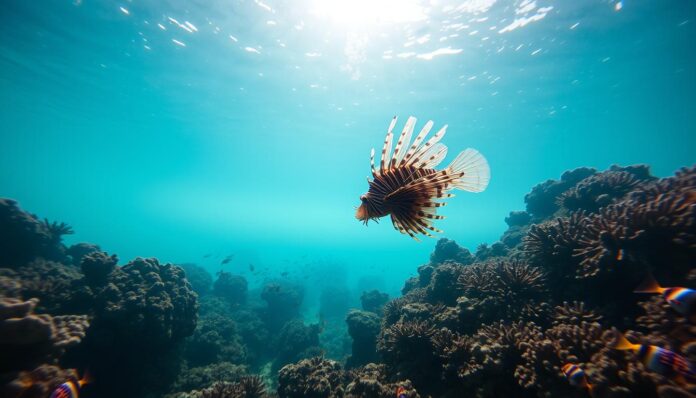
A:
[500,322]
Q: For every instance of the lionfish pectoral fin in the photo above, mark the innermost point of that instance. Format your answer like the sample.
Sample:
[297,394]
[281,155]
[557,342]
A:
[472,171]
[399,226]
[413,209]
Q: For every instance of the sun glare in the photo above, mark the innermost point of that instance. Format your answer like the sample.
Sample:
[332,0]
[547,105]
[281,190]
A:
[365,13]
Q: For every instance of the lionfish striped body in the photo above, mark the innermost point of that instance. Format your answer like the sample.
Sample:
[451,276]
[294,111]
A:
[407,183]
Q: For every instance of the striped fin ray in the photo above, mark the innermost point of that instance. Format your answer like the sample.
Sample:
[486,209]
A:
[372,162]
[387,145]
[402,143]
[419,138]
[420,152]
[475,174]
[433,156]
[396,221]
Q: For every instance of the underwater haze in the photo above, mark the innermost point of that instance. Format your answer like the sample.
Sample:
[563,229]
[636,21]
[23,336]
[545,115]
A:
[178,129]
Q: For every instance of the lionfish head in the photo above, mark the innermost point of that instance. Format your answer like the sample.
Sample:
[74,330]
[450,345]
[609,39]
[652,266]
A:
[362,213]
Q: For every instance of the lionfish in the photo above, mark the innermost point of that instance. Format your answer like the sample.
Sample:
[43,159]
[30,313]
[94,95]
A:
[407,184]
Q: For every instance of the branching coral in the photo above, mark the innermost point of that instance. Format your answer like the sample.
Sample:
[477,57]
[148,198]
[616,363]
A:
[311,378]
[56,230]
[202,377]
[574,313]
[371,381]
[22,236]
[408,351]
[245,387]
[598,190]
[507,288]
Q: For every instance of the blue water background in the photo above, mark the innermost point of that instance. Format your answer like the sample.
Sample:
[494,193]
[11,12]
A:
[258,144]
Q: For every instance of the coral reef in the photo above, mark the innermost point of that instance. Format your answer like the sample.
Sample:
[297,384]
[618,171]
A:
[80,250]
[23,237]
[245,387]
[283,300]
[35,383]
[97,266]
[215,339]
[232,288]
[31,345]
[295,341]
[28,340]
[554,290]
[311,378]
[549,293]
[363,327]
[201,281]
[449,250]
[202,377]
[373,301]
[542,201]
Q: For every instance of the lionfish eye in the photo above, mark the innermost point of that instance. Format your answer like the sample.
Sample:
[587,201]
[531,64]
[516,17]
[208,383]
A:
[363,198]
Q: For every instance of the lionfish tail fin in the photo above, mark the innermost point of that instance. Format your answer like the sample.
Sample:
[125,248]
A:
[473,169]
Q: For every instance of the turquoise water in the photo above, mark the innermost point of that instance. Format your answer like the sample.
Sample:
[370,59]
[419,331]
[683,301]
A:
[180,129]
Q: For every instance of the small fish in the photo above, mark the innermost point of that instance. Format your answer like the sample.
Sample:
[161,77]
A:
[401,392]
[660,360]
[284,274]
[251,267]
[683,300]
[71,389]
[227,259]
[407,185]
[576,376]
[207,256]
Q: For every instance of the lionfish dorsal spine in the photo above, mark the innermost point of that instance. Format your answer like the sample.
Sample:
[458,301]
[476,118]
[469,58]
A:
[403,142]
[423,149]
[386,149]
[372,162]
[419,138]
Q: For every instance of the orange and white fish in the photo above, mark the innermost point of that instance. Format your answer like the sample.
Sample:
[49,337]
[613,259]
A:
[660,360]
[576,376]
[71,389]
[683,300]
[407,184]
[401,392]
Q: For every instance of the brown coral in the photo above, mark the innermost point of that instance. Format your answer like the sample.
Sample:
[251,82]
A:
[313,378]
[28,340]
[504,289]
[245,387]
[598,190]
[35,383]
[371,381]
